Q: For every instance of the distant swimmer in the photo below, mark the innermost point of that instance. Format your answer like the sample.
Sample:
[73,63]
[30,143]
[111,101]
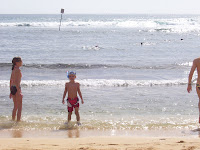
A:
[196,65]
[181,39]
[141,43]
[96,47]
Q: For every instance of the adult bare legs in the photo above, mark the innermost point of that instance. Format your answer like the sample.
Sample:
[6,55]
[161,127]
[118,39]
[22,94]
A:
[198,93]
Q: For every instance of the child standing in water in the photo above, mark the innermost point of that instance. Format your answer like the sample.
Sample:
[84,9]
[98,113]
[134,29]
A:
[72,88]
[15,88]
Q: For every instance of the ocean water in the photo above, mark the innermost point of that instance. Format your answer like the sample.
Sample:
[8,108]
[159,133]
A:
[125,85]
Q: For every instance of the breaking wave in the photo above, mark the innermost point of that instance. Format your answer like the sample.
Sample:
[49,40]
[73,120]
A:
[159,25]
[100,83]
[186,64]
[92,66]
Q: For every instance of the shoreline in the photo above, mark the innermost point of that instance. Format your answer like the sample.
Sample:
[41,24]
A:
[83,133]
[109,143]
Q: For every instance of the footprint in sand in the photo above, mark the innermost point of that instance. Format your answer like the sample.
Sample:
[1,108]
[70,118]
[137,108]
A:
[112,144]
[163,139]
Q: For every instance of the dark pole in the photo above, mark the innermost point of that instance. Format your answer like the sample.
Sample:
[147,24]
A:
[62,11]
[60,21]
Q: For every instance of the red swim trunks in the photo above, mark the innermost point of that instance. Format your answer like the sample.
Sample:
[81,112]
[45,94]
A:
[72,103]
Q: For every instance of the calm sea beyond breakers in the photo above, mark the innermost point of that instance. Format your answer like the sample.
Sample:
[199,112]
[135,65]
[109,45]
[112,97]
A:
[133,72]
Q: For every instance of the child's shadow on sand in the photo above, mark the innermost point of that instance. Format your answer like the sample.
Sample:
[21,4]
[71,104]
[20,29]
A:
[72,130]
[17,134]
[9,125]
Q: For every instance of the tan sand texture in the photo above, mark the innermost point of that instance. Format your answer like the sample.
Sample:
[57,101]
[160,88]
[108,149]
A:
[100,143]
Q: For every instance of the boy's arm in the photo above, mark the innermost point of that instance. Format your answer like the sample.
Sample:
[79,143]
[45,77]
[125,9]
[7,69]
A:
[80,94]
[64,94]
[190,76]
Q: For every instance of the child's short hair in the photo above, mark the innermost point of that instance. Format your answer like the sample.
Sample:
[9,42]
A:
[71,73]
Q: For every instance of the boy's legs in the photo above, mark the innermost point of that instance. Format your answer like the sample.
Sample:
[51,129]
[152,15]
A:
[69,116]
[70,110]
[77,113]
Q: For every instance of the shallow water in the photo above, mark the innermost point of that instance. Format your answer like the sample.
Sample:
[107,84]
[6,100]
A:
[106,108]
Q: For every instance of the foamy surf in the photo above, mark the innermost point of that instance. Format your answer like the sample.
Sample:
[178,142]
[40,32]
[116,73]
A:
[179,25]
[99,83]
[186,64]
[136,123]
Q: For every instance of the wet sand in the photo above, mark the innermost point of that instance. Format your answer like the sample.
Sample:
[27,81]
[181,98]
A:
[98,139]
[95,143]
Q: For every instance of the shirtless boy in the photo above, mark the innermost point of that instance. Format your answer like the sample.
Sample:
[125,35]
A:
[196,65]
[72,88]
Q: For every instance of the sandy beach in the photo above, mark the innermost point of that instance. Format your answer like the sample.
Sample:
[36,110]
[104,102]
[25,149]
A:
[93,143]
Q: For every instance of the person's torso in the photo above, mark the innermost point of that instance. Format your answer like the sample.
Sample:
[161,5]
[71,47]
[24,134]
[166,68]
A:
[72,90]
[14,78]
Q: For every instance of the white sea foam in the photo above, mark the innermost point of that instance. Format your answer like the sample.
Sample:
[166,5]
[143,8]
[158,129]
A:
[56,122]
[163,25]
[186,64]
[100,82]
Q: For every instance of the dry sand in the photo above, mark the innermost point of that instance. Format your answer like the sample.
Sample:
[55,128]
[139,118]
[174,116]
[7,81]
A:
[100,143]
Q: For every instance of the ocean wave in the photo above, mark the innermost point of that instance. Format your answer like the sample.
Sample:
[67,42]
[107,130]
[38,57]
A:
[93,66]
[63,66]
[163,25]
[100,83]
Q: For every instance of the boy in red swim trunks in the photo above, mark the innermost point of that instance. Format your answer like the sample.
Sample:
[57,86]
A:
[72,88]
